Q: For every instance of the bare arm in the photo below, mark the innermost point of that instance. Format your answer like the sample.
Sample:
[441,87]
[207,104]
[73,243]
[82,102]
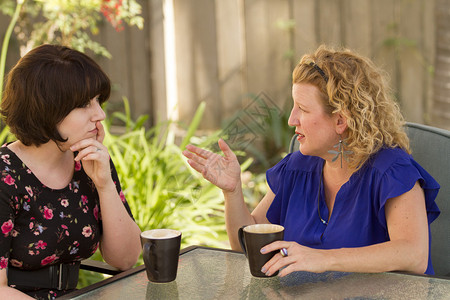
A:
[225,173]
[119,229]
[237,214]
[6,292]
[407,249]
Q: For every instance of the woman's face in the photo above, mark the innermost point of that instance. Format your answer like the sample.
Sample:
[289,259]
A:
[315,128]
[80,123]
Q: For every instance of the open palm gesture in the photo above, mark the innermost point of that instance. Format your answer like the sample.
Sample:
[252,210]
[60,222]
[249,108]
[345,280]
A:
[222,171]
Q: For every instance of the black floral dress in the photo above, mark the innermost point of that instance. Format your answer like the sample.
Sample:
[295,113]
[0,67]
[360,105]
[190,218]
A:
[41,226]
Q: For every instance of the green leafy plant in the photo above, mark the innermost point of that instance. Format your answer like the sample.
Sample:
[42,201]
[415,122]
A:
[69,22]
[161,188]
[15,16]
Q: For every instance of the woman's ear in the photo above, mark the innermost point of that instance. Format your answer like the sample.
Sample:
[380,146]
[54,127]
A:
[341,123]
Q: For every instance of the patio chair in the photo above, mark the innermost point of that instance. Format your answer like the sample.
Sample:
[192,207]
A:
[431,149]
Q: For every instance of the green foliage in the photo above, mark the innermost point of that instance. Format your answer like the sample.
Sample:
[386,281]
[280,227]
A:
[161,188]
[6,7]
[273,135]
[71,22]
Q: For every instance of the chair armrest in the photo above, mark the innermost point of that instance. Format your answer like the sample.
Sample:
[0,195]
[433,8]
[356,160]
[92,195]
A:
[98,266]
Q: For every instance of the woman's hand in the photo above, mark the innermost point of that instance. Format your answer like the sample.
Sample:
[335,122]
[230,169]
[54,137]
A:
[222,171]
[95,157]
[299,258]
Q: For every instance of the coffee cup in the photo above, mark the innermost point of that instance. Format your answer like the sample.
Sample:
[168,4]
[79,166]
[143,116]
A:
[161,251]
[252,238]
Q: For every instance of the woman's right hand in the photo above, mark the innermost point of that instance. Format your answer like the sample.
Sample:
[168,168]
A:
[222,171]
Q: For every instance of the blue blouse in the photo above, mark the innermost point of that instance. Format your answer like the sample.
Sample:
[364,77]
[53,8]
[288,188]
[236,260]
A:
[358,217]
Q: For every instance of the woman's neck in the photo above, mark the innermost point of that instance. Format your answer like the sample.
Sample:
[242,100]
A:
[53,167]
[336,175]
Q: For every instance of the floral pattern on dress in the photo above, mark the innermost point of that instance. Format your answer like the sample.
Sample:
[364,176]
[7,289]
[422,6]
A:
[41,226]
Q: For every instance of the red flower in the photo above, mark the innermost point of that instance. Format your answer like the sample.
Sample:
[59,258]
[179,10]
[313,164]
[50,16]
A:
[48,260]
[122,196]
[9,180]
[7,227]
[48,213]
[3,262]
[41,245]
[96,212]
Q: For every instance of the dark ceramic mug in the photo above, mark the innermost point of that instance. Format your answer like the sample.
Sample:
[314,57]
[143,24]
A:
[252,238]
[161,251]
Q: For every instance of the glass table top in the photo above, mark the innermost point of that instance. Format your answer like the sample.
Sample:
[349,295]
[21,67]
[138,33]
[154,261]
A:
[206,273]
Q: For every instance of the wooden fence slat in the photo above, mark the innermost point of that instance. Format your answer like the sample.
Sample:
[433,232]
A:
[357,25]
[139,66]
[305,39]
[428,52]
[230,45]
[268,69]
[155,35]
[330,22]
[117,68]
[197,60]
[411,71]
[383,28]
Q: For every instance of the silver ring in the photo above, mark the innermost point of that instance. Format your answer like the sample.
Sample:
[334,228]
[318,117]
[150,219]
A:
[98,149]
[283,252]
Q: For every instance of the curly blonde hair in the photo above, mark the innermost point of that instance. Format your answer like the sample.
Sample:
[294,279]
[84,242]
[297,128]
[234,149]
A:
[352,85]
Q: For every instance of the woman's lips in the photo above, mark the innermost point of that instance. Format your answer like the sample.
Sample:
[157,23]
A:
[93,131]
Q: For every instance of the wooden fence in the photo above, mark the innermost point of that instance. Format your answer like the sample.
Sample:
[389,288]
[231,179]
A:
[224,52]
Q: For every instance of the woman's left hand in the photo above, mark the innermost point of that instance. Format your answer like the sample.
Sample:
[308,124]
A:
[299,258]
[94,157]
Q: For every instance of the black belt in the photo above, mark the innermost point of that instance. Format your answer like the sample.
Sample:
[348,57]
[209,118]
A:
[59,276]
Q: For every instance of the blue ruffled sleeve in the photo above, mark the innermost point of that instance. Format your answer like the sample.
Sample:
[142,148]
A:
[294,175]
[275,174]
[399,178]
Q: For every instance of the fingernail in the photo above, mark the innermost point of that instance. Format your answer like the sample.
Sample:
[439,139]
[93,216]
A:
[263,250]
[263,270]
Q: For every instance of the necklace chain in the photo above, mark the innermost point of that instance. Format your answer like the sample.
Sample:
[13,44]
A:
[318,199]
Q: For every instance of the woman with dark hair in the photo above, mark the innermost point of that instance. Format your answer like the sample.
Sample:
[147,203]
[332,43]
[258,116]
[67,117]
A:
[60,197]
[352,199]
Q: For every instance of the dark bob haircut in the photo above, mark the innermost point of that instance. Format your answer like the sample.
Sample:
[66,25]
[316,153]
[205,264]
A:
[45,86]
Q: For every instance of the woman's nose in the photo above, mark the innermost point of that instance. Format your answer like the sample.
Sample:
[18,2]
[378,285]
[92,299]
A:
[293,118]
[99,114]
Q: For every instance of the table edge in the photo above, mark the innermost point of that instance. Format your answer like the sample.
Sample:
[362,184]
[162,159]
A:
[132,271]
[184,251]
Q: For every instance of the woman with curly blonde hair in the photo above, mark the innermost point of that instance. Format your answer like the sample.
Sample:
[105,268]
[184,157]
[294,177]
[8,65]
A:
[352,199]
[359,91]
